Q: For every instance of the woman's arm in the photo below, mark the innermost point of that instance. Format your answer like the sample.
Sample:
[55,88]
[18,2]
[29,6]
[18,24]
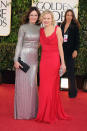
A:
[60,41]
[76,42]
[18,47]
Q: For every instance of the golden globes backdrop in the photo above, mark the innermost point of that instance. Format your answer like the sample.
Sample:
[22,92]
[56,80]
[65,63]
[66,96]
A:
[5,17]
[57,6]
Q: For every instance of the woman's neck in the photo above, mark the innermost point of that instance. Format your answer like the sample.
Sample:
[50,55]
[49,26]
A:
[31,23]
[48,27]
[68,22]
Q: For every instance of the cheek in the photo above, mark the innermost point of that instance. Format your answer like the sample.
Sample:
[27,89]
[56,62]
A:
[50,21]
[43,21]
[30,18]
[37,17]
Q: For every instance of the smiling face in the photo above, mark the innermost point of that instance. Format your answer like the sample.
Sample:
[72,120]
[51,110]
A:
[47,19]
[69,16]
[33,17]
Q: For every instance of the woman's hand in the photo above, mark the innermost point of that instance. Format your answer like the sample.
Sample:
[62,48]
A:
[63,66]
[74,54]
[39,45]
[17,65]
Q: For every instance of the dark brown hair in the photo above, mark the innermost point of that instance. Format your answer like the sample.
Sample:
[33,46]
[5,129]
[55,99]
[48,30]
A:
[74,20]
[25,18]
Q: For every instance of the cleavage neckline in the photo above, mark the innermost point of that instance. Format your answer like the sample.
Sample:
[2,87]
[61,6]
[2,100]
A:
[50,34]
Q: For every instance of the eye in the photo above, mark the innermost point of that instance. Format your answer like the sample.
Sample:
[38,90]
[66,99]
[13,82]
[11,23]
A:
[44,18]
[34,15]
[31,15]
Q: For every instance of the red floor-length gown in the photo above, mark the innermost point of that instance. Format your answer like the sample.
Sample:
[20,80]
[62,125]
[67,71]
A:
[49,108]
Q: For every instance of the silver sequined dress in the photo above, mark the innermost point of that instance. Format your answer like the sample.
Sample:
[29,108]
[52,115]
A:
[26,100]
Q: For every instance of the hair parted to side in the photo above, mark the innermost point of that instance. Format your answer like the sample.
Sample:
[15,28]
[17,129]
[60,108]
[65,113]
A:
[25,18]
[73,17]
[47,12]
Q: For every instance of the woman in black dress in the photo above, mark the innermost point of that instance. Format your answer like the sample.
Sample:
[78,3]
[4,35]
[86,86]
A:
[70,31]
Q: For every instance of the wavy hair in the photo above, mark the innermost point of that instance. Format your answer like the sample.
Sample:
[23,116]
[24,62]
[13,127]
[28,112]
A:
[25,18]
[47,12]
[74,20]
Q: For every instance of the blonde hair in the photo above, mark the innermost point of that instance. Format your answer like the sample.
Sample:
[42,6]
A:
[47,12]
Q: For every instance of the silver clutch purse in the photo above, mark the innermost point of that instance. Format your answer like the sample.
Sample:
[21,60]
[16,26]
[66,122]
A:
[61,73]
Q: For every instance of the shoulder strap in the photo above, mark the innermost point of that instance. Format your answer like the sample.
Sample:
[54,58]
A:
[56,27]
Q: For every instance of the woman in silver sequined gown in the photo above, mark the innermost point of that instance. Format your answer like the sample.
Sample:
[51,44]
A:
[26,99]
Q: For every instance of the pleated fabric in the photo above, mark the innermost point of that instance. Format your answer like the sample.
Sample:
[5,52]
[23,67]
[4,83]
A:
[50,108]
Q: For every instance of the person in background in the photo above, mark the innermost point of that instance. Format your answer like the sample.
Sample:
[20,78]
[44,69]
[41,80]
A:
[70,32]
[50,108]
[26,94]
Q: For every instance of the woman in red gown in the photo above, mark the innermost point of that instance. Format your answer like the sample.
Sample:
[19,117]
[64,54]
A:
[49,108]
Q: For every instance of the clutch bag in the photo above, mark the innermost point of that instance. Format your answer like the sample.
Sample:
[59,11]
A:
[25,67]
[61,73]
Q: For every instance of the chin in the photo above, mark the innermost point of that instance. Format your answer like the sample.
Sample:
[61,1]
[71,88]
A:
[33,22]
[46,24]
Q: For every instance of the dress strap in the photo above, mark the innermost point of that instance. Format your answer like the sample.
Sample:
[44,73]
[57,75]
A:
[56,27]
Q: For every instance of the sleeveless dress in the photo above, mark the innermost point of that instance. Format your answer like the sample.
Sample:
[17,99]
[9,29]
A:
[49,108]
[26,92]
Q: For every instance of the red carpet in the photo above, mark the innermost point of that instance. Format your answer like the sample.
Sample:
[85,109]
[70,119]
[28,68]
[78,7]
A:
[76,107]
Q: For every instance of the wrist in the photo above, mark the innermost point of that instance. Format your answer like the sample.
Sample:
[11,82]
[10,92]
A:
[62,62]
